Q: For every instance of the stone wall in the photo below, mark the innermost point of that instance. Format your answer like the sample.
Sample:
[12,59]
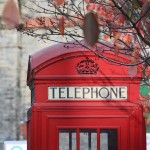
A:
[14,93]
[15,49]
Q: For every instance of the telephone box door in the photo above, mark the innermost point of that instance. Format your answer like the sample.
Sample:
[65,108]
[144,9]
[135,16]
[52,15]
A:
[91,133]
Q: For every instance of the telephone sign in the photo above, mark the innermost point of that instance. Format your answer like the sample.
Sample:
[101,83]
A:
[87,93]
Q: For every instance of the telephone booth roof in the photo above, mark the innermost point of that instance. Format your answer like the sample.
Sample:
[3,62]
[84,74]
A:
[42,56]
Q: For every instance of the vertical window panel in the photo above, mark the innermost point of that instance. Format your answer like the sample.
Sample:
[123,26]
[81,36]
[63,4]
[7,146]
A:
[67,139]
[88,139]
[108,139]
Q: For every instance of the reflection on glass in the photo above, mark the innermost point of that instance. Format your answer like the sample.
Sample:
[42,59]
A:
[108,139]
[104,141]
[67,139]
[88,139]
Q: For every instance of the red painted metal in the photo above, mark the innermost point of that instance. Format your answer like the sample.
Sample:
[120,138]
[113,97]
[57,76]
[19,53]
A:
[56,66]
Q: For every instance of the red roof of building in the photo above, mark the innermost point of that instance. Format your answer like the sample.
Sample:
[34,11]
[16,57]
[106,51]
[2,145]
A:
[50,52]
[60,51]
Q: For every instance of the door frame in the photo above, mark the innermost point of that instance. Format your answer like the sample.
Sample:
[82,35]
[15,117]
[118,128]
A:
[98,128]
[63,122]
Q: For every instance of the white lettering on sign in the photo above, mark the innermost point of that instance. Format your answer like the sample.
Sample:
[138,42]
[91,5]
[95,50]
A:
[87,93]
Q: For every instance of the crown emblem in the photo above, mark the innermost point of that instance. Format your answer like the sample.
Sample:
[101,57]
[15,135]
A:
[87,66]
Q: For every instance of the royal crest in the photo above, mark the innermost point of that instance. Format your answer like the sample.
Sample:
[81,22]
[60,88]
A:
[87,66]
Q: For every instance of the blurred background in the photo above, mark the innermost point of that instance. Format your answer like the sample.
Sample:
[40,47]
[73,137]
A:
[15,49]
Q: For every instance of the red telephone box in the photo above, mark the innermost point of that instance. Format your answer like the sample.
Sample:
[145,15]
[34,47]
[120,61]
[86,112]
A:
[81,102]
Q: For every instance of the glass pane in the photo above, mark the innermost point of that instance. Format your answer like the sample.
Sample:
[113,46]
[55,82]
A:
[88,139]
[67,139]
[108,139]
